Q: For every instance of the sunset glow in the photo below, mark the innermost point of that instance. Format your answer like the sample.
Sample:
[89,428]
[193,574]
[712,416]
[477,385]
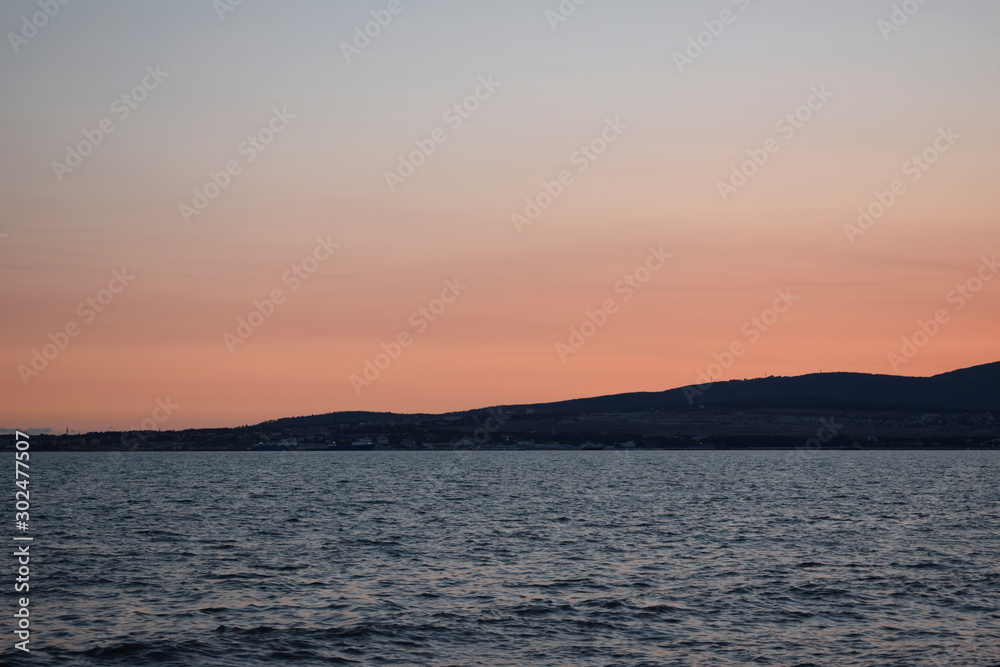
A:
[238,213]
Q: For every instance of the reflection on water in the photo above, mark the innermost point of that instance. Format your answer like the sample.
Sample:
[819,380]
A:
[512,558]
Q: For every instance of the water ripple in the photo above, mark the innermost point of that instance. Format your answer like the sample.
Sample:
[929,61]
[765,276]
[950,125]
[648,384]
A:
[498,558]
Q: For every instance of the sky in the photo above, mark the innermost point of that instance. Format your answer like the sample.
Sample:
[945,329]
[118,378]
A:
[219,213]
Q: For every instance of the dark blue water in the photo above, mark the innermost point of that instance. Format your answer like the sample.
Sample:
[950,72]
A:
[514,558]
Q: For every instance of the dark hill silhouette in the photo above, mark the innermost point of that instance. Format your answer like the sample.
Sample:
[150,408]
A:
[970,389]
[966,390]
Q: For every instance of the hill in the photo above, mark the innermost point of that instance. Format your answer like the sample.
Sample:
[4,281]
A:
[975,389]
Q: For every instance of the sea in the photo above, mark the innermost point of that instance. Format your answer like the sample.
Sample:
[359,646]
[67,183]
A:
[511,558]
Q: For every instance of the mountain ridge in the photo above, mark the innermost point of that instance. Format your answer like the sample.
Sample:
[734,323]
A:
[976,388]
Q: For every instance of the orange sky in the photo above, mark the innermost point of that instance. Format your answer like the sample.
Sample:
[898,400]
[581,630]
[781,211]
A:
[328,130]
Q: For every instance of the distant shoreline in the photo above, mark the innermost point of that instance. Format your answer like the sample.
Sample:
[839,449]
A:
[986,446]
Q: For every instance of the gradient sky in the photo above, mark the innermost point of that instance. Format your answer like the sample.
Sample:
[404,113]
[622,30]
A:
[323,176]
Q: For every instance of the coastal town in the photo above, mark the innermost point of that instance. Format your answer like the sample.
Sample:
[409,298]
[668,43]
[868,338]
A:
[527,430]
